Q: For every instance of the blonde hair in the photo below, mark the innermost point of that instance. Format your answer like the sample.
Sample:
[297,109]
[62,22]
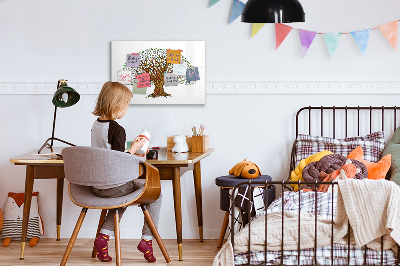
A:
[112,99]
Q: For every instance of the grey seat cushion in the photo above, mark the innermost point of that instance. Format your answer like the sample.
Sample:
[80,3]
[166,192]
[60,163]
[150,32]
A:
[83,196]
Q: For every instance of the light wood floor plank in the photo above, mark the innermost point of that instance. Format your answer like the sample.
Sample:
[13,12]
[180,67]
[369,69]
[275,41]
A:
[49,252]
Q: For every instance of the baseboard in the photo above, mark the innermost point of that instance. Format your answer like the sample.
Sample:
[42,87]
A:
[231,87]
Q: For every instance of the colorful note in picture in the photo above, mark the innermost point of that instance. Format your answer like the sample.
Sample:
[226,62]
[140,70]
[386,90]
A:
[179,69]
[136,90]
[144,80]
[170,80]
[133,60]
[124,77]
[192,74]
[174,56]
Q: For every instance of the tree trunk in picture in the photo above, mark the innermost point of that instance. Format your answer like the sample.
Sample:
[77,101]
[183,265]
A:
[159,90]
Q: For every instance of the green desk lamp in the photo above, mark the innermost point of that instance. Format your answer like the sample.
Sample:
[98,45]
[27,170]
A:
[65,96]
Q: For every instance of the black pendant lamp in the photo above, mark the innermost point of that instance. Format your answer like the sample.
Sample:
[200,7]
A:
[273,11]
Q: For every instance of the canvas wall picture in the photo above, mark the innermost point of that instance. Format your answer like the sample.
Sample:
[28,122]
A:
[160,72]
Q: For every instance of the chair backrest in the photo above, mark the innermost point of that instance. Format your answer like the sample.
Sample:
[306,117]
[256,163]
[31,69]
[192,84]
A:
[92,166]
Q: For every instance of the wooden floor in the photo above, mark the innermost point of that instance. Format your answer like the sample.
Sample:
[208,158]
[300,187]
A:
[50,252]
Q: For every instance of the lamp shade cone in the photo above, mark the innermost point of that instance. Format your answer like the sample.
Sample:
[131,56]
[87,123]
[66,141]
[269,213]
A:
[273,11]
[65,96]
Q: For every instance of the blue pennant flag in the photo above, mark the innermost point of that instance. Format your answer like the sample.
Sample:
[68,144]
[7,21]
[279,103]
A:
[332,41]
[213,2]
[237,9]
[361,37]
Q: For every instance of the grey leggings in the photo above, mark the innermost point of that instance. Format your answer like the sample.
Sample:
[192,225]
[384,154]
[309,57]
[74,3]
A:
[154,208]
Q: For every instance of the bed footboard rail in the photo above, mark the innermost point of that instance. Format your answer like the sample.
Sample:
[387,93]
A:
[314,260]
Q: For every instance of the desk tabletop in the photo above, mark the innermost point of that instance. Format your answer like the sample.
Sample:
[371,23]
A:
[164,157]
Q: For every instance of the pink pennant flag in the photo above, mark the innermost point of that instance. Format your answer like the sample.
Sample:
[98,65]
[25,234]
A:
[306,39]
[389,30]
[281,31]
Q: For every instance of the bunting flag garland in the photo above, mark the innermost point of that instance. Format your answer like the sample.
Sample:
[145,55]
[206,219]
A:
[281,31]
[332,41]
[256,28]
[213,2]
[389,30]
[306,39]
[361,37]
[237,9]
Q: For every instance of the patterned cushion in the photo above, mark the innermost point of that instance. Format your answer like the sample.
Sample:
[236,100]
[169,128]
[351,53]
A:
[372,144]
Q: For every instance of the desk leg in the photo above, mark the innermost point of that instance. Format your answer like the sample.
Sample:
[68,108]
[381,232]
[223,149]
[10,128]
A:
[27,206]
[176,182]
[197,189]
[60,190]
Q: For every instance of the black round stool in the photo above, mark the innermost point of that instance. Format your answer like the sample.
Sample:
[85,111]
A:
[228,182]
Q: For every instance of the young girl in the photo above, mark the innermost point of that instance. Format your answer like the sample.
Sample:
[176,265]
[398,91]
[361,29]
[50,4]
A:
[112,104]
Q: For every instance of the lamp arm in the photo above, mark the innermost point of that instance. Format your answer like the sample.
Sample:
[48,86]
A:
[54,119]
[54,126]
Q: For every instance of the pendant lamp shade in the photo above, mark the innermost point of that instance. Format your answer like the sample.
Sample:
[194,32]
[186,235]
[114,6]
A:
[273,11]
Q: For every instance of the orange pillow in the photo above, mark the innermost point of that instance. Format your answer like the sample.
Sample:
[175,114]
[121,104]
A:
[375,170]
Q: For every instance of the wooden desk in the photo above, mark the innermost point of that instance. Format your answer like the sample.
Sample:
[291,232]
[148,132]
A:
[171,167]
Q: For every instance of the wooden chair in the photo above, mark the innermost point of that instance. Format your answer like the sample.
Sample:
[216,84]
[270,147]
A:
[85,167]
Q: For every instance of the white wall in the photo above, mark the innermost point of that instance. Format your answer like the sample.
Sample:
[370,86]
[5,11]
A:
[47,40]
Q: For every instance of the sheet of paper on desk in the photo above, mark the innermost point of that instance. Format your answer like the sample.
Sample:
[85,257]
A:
[52,155]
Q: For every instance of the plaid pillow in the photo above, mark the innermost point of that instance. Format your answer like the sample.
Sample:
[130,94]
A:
[372,145]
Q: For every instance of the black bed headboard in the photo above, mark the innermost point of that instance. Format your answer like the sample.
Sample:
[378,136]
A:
[344,121]
[346,112]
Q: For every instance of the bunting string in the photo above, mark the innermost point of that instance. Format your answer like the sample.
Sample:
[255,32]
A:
[361,37]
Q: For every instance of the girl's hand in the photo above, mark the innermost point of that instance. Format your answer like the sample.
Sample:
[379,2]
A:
[143,155]
[137,144]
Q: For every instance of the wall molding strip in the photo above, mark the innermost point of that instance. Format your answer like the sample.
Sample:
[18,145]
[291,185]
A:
[231,87]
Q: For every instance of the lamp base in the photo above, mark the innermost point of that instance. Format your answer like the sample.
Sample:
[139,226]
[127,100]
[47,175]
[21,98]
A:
[50,146]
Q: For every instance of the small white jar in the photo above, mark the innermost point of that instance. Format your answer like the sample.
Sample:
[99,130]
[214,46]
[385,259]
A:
[144,134]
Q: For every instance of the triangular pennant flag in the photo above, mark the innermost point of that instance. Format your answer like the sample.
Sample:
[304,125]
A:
[306,39]
[213,2]
[389,30]
[281,31]
[361,37]
[332,41]
[255,28]
[237,9]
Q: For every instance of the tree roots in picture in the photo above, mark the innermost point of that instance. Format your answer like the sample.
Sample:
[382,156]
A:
[160,94]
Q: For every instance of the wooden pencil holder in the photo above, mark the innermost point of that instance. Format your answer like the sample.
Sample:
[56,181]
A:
[200,143]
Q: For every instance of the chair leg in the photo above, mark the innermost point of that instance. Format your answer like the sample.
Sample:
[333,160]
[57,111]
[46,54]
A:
[154,230]
[223,229]
[73,237]
[117,239]
[101,222]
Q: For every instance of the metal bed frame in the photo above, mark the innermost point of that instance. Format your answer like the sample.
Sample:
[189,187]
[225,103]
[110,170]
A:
[283,184]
